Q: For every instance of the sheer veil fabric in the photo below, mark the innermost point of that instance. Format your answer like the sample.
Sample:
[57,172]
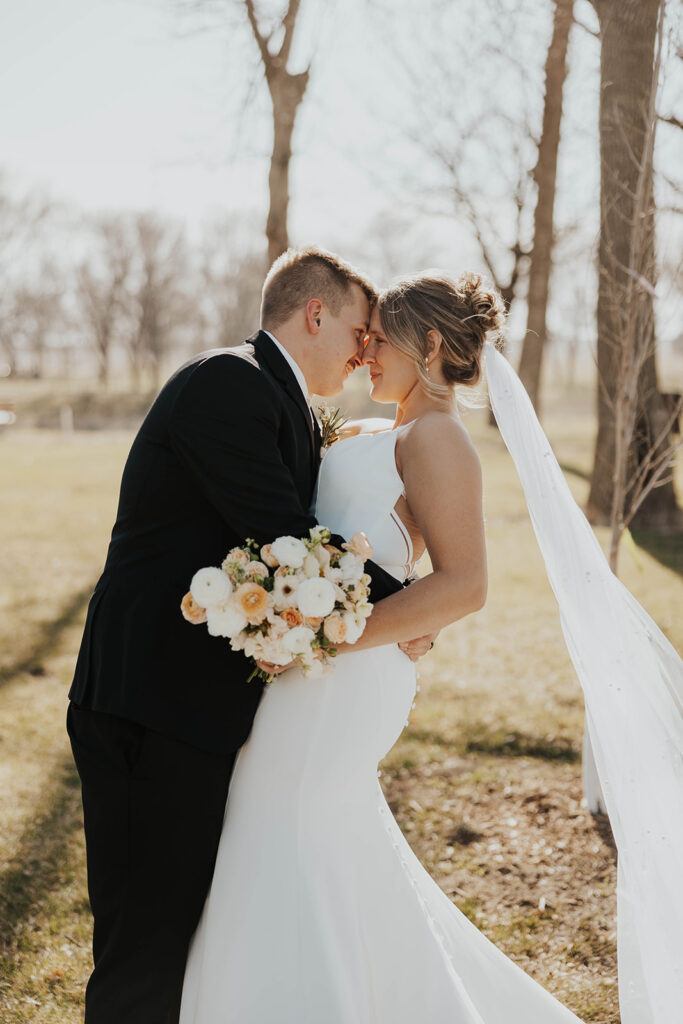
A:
[632,680]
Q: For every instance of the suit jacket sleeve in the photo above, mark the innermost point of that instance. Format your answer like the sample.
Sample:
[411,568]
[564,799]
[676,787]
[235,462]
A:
[224,428]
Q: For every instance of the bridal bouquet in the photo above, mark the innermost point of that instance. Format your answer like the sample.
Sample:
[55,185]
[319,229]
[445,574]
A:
[293,603]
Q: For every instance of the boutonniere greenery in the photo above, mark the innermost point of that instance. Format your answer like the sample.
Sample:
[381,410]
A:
[331,422]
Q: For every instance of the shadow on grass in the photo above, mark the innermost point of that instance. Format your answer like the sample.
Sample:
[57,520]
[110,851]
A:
[509,744]
[47,636]
[518,744]
[41,861]
[666,548]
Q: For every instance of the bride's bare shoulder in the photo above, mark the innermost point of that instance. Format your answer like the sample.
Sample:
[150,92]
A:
[432,442]
[436,432]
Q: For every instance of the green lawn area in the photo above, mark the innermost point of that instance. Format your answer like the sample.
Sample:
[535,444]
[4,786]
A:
[485,781]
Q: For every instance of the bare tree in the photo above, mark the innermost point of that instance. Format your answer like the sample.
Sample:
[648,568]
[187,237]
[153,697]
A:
[631,478]
[39,313]
[476,97]
[286,89]
[102,282]
[232,272]
[286,93]
[160,303]
[545,174]
[21,219]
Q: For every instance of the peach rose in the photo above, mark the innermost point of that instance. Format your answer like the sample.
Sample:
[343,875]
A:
[192,612]
[237,555]
[256,569]
[268,557]
[292,617]
[253,600]
[313,623]
[335,628]
[359,545]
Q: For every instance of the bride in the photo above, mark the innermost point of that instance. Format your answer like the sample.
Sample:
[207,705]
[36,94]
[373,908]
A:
[319,913]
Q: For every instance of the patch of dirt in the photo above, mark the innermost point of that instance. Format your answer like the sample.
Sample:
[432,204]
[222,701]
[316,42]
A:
[513,845]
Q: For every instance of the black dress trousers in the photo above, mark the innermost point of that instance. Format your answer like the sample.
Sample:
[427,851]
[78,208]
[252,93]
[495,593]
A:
[153,811]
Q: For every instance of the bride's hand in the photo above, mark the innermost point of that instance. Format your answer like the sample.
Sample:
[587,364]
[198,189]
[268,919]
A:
[415,649]
[273,670]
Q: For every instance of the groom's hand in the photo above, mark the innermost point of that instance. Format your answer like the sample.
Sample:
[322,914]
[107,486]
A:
[415,649]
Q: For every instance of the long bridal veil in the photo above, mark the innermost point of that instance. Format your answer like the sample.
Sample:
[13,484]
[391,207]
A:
[632,680]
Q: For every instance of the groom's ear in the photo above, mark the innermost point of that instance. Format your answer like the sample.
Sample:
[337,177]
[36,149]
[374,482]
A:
[314,308]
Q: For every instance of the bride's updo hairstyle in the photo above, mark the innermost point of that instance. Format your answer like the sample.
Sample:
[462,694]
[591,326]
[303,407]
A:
[465,312]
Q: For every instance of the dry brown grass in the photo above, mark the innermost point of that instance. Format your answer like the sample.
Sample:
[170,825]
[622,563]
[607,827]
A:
[485,781]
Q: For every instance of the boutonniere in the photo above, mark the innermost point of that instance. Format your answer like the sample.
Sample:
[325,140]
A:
[331,422]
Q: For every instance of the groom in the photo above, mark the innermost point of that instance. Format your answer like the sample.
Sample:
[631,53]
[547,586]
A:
[229,450]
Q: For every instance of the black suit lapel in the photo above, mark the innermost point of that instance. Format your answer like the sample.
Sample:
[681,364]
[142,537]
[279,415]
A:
[270,356]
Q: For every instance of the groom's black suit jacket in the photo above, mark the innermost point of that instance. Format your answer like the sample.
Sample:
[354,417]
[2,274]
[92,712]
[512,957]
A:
[227,451]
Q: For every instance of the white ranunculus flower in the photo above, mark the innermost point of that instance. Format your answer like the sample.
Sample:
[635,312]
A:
[289,551]
[298,640]
[210,587]
[285,590]
[315,598]
[352,567]
[332,574]
[354,628]
[225,620]
[311,566]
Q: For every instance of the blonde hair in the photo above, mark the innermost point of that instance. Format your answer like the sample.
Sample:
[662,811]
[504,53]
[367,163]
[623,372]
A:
[464,312]
[301,274]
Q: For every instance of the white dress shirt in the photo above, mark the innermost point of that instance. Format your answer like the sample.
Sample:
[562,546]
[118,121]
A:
[296,369]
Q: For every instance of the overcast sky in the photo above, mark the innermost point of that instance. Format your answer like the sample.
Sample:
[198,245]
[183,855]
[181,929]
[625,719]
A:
[114,104]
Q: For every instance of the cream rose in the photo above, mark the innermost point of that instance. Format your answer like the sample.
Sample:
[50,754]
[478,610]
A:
[335,628]
[257,569]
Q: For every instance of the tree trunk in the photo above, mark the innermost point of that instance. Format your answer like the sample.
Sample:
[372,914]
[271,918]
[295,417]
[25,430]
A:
[628,31]
[545,174]
[286,93]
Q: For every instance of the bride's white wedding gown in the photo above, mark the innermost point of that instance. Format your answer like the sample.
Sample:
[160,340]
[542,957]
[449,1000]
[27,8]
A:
[319,912]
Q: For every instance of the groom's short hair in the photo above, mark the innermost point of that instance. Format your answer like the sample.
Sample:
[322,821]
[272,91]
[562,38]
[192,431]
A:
[307,273]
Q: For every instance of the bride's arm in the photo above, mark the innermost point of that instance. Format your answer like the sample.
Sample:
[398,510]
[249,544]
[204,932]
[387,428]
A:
[442,477]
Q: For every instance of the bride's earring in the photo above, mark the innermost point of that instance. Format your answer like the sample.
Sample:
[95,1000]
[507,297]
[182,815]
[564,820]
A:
[427,366]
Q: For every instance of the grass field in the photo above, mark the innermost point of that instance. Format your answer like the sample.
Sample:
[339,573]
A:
[485,781]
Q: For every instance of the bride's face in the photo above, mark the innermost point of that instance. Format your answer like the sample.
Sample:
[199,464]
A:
[392,373]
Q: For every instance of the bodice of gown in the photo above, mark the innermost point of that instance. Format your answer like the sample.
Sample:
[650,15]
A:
[358,487]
